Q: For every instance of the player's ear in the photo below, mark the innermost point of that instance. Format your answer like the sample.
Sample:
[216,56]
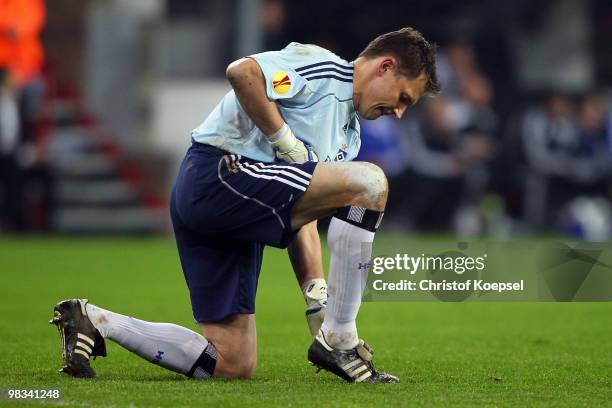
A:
[387,64]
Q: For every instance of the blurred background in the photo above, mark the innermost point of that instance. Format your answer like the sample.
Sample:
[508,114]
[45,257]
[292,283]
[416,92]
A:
[98,98]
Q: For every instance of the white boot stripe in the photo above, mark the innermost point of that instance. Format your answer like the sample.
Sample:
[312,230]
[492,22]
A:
[358,370]
[86,338]
[352,364]
[364,376]
[84,346]
[321,340]
[63,339]
[81,352]
[82,303]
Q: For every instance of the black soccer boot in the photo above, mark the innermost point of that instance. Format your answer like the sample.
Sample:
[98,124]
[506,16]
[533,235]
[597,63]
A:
[354,365]
[80,340]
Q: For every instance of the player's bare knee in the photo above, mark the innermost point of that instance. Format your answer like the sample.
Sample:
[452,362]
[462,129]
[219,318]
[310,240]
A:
[370,185]
[240,367]
[236,361]
[247,369]
[247,366]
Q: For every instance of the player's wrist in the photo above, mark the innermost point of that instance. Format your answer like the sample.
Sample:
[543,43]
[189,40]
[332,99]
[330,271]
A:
[276,136]
[283,140]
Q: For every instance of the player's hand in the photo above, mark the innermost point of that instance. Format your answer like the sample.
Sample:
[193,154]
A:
[289,148]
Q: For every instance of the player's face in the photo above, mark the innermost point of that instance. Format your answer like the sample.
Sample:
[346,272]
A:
[390,94]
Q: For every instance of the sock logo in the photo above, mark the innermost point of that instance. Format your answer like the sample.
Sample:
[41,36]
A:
[158,357]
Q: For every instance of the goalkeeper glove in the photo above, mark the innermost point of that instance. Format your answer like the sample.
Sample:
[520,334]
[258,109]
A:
[315,294]
[289,148]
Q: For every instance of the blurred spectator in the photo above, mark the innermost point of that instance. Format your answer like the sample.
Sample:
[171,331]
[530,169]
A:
[466,87]
[273,17]
[9,115]
[20,49]
[10,175]
[21,52]
[474,109]
[568,155]
[450,143]
[454,64]
[26,179]
[443,159]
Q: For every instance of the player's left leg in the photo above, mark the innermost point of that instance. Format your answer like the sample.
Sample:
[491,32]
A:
[356,194]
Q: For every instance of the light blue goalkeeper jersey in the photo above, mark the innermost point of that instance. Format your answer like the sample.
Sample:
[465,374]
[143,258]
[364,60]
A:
[313,89]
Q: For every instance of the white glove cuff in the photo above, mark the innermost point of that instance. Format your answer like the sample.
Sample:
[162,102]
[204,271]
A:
[276,136]
[283,139]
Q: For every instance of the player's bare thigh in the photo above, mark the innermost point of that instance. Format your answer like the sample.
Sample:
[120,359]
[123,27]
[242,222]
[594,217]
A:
[235,339]
[340,184]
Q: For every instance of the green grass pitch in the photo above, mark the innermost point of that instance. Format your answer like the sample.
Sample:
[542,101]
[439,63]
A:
[472,354]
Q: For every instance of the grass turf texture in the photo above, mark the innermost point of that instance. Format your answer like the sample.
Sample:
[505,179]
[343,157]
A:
[460,354]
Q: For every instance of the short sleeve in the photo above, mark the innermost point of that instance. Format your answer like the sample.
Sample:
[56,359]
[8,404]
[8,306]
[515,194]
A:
[278,67]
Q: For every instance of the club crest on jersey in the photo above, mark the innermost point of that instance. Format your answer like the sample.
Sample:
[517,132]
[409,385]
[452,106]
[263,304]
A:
[340,156]
[281,82]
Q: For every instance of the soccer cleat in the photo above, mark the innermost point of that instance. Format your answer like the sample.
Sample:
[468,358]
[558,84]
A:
[316,299]
[354,365]
[80,340]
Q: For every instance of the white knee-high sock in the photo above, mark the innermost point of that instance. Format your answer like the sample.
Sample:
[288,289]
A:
[350,248]
[169,345]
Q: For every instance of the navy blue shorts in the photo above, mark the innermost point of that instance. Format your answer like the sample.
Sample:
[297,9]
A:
[225,208]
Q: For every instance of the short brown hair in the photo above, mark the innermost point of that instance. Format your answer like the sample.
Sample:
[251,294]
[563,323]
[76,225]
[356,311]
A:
[414,54]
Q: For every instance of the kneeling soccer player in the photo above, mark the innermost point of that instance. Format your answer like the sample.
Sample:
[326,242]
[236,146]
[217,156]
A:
[252,177]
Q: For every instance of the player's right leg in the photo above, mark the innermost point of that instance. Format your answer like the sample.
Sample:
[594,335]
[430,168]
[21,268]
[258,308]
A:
[228,350]
[83,328]
[338,185]
[356,193]
[221,274]
[235,338]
